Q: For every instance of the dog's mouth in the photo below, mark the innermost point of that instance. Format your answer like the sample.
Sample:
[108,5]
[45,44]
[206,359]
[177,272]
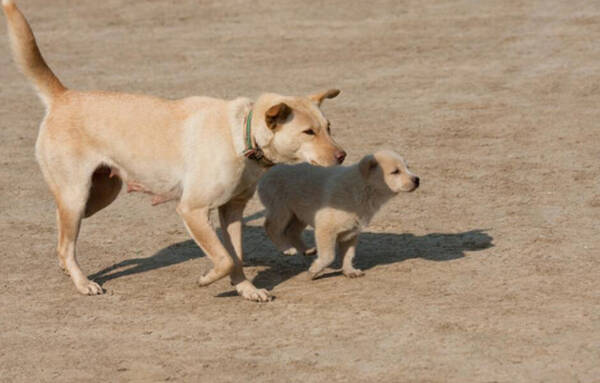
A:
[412,189]
[323,165]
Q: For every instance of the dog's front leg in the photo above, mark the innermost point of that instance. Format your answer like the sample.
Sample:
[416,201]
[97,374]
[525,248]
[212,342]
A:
[198,224]
[326,240]
[230,216]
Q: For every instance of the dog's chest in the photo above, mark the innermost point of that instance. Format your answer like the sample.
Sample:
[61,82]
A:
[248,178]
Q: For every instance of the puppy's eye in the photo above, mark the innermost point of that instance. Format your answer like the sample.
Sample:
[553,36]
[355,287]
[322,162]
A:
[397,171]
[328,130]
[310,132]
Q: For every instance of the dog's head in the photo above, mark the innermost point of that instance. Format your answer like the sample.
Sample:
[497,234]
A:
[293,129]
[387,171]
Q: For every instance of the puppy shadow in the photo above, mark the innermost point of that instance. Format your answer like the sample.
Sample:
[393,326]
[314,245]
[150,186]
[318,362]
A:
[374,249]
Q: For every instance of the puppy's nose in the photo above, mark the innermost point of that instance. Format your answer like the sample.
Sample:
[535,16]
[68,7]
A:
[340,156]
[416,181]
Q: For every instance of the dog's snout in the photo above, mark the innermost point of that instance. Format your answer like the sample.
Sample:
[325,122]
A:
[416,181]
[340,156]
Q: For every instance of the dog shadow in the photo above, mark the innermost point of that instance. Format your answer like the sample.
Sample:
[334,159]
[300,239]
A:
[374,249]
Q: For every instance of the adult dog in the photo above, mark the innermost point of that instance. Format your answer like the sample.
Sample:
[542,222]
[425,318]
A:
[203,152]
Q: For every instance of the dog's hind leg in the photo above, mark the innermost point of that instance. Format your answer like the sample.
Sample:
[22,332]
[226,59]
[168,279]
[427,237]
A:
[347,252]
[276,222]
[293,233]
[71,202]
[68,172]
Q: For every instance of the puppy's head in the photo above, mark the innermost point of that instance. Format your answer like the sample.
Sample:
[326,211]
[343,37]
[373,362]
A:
[387,171]
[293,129]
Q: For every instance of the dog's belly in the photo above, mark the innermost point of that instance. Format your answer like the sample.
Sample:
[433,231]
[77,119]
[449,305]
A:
[157,197]
[348,235]
[161,191]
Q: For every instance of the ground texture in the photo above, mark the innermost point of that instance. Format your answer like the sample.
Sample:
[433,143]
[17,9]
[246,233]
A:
[488,273]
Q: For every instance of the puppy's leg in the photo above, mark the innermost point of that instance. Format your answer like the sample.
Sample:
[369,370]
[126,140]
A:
[196,220]
[347,251]
[276,222]
[71,203]
[293,233]
[326,240]
[230,216]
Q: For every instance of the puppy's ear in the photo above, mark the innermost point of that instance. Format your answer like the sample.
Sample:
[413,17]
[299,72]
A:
[319,97]
[367,165]
[277,114]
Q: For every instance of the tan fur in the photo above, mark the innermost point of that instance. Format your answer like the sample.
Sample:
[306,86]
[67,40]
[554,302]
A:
[188,150]
[338,202]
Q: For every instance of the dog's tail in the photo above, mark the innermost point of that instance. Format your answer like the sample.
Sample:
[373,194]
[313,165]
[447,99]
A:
[27,54]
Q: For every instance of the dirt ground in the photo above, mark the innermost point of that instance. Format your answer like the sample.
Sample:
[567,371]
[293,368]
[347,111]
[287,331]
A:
[488,273]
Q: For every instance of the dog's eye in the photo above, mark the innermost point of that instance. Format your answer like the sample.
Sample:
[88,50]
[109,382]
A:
[328,130]
[397,171]
[310,132]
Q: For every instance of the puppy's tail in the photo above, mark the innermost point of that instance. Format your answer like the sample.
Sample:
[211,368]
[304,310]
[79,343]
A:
[27,54]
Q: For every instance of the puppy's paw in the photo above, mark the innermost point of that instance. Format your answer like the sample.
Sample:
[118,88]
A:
[88,287]
[311,251]
[290,251]
[247,290]
[354,273]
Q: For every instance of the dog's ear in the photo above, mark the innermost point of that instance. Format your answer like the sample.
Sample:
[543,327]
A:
[367,165]
[277,114]
[319,97]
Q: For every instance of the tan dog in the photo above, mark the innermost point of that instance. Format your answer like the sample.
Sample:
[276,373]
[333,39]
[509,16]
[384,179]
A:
[338,202]
[204,152]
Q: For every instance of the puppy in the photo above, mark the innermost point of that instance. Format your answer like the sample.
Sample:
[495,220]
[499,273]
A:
[338,202]
[202,152]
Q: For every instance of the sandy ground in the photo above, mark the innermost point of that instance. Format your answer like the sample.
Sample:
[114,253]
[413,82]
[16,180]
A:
[489,273]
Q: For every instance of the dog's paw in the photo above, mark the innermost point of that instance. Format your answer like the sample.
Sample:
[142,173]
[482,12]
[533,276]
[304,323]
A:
[311,275]
[63,268]
[311,251]
[213,275]
[354,273]
[204,280]
[247,290]
[88,287]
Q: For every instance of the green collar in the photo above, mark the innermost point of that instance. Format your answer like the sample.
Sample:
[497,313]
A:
[248,131]
[253,151]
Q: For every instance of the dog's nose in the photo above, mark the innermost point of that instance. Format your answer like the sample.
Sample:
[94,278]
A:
[417,181]
[340,156]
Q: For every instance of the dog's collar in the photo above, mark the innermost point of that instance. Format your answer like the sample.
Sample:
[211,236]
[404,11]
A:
[253,151]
